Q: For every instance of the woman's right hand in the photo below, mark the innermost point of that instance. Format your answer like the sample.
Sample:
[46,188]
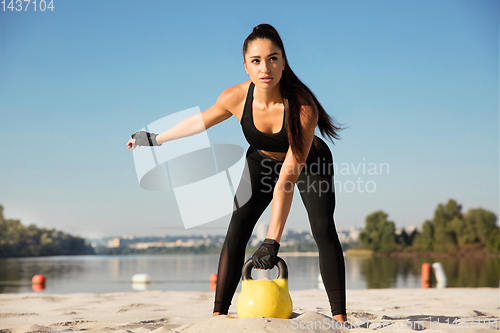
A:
[131,144]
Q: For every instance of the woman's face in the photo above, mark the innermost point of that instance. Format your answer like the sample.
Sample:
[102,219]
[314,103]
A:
[264,63]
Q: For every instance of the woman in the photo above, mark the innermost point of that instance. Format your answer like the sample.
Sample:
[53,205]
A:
[278,115]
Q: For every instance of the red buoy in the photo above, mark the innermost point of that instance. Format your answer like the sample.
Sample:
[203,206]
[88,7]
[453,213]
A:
[38,287]
[38,279]
[426,275]
[213,278]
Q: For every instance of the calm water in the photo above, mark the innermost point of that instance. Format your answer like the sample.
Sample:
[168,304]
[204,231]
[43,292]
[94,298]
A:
[104,274]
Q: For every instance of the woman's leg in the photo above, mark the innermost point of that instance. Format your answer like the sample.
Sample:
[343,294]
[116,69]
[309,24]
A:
[316,187]
[259,192]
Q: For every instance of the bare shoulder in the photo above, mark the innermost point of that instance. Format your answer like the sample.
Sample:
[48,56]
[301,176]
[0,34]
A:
[233,98]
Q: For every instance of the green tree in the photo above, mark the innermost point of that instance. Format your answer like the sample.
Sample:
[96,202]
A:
[465,232]
[481,222]
[451,230]
[17,240]
[424,241]
[444,234]
[493,242]
[404,239]
[379,233]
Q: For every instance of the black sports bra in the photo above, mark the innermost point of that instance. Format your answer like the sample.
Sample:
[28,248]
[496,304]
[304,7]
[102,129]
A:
[275,142]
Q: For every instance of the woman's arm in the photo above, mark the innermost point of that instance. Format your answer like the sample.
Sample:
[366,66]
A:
[197,123]
[220,111]
[290,171]
[227,102]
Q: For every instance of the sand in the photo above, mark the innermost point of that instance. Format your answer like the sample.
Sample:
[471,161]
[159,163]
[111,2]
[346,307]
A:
[385,310]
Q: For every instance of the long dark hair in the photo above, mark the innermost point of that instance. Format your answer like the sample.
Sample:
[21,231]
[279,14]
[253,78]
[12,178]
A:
[296,94]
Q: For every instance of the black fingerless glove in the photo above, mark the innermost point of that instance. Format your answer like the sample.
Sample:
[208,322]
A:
[143,138]
[265,256]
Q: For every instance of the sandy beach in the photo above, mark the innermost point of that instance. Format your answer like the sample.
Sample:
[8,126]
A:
[389,310]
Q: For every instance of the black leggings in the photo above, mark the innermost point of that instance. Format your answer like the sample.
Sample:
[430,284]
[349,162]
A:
[254,194]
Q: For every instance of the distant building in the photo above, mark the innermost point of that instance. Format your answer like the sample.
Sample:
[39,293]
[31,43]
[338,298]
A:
[354,234]
[349,235]
[177,243]
[114,242]
[409,230]
[261,233]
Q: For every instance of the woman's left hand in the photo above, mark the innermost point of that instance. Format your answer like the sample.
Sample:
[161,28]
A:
[265,256]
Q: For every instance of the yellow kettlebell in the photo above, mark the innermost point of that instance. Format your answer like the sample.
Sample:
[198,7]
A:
[265,297]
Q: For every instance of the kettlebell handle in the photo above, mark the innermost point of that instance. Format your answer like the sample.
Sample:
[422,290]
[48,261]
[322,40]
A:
[246,272]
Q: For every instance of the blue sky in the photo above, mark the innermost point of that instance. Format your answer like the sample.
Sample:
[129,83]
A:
[416,82]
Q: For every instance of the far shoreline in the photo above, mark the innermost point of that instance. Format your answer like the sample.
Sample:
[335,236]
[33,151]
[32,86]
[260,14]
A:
[402,254]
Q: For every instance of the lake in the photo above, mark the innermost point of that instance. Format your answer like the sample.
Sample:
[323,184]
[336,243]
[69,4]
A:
[105,274]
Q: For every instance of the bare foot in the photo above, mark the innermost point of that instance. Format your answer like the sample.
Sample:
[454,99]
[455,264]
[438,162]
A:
[216,314]
[340,317]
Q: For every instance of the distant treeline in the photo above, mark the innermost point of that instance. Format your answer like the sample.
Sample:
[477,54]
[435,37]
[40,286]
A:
[203,249]
[17,240]
[450,231]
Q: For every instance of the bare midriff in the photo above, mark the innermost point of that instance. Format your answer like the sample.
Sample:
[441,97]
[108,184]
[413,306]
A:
[275,155]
